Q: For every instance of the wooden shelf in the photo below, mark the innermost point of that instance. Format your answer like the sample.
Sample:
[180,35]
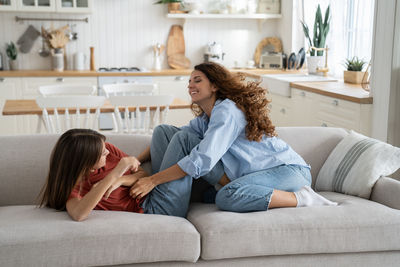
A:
[224,16]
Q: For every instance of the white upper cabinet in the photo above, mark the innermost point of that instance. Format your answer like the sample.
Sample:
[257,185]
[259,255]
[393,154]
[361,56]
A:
[36,5]
[59,6]
[74,6]
[8,5]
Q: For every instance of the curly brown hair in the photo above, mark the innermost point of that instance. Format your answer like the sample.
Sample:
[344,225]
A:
[249,97]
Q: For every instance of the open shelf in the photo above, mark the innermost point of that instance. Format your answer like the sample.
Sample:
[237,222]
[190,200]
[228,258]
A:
[224,16]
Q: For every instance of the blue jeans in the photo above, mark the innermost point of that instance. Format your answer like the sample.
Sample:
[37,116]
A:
[253,192]
[169,144]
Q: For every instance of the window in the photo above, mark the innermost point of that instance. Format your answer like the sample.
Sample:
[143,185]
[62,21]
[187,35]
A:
[350,33]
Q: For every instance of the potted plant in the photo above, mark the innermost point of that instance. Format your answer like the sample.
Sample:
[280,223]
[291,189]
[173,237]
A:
[354,73]
[173,5]
[321,29]
[12,54]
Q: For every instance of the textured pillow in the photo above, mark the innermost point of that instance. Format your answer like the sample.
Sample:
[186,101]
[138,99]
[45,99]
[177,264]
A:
[355,164]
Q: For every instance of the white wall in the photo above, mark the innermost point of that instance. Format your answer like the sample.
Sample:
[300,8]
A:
[124,31]
[385,69]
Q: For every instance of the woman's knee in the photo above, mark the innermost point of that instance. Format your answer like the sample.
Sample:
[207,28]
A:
[225,197]
[186,140]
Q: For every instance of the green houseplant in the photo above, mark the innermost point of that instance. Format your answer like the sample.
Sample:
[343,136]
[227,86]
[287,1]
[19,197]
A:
[321,29]
[353,72]
[173,5]
[12,54]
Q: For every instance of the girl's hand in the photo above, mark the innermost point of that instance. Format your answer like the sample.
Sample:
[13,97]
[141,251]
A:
[125,164]
[142,187]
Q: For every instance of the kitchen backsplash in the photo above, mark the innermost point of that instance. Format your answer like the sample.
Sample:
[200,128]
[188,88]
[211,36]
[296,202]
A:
[124,31]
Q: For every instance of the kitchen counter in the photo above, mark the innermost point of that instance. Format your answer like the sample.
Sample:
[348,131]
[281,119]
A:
[337,89]
[255,73]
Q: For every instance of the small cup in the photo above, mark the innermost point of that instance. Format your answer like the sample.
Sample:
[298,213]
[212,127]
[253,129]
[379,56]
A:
[250,64]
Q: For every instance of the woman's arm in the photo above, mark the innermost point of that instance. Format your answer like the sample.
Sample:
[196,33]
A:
[143,186]
[79,209]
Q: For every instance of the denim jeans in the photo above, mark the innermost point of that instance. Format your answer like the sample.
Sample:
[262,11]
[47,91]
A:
[169,144]
[253,192]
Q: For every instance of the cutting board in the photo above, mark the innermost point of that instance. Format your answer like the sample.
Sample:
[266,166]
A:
[176,49]
[176,42]
[178,61]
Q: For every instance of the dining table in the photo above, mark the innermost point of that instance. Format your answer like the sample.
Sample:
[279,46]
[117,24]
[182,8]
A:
[29,107]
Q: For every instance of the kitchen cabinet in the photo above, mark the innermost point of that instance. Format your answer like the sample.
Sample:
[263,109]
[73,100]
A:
[9,89]
[36,5]
[8,5]
[281,111]
[59,6]
[74,6]
[311,109]
[177,86]
[30,90]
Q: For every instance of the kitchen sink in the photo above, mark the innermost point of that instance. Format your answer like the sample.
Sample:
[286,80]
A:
[280,83]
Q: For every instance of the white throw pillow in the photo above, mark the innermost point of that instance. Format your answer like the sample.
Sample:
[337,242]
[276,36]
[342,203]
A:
[355,164]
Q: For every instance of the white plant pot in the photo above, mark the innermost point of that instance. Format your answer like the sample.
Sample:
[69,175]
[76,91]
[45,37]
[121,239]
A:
[314,62]
[14,64]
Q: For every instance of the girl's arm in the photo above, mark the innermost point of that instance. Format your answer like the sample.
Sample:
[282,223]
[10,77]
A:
[79,209]
[126,180]
[145,155]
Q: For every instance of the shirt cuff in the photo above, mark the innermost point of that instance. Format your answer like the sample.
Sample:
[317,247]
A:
[189,167]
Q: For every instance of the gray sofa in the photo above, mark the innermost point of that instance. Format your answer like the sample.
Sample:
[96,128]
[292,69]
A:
[357,232]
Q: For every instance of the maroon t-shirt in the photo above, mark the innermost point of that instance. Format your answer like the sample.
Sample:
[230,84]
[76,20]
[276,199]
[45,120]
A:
[119,199]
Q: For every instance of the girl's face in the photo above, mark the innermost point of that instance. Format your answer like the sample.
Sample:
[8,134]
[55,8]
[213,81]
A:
[102,161]
[200,88]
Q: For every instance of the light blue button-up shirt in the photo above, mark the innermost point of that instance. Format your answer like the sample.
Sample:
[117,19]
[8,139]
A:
[224,138]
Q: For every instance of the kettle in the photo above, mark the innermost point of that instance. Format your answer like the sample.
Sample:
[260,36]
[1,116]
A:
[213,53]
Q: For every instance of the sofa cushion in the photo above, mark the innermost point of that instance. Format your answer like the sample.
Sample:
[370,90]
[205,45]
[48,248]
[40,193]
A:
[356,164]
[314,144]
[46,237]
[355,225]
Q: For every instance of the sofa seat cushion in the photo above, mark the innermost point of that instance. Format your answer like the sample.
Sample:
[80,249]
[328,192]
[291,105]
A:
[355,225]
[30,236]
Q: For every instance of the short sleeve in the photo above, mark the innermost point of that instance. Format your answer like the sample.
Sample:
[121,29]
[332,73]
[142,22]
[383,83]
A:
[75,192]
[115,151]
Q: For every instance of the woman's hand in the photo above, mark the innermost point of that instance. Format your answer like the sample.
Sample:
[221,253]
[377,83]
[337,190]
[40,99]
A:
[125,164]
[142,187]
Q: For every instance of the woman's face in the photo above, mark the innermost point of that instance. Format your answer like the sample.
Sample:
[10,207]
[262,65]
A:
[102,161]
[200,88]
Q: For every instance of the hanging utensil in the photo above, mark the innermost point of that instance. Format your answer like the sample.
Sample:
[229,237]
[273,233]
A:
[44,52]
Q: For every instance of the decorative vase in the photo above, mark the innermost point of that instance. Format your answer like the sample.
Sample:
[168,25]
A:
[58,60]
[14,64]
[174,7]
[314,62]
[353,76]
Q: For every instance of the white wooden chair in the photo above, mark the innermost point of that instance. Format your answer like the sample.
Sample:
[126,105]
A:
[136,121]
[65,89]
[127,89]
[70,105]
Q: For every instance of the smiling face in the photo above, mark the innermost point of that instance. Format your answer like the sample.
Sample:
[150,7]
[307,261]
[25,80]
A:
[202,92]
[102,161]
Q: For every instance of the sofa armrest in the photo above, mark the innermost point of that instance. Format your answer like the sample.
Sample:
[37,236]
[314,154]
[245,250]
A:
[387,191]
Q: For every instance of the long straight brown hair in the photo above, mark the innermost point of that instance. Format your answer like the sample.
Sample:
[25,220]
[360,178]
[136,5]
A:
[73,156]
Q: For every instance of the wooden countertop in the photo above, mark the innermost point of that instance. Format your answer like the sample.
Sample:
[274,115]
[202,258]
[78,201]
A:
[337,89]
[167,72]
[29,107]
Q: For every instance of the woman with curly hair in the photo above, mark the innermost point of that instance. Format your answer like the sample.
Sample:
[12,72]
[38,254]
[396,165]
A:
[231,142]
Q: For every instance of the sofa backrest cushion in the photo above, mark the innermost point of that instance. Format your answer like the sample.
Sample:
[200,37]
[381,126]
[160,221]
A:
[25,158]
[314,144]
[24,163]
